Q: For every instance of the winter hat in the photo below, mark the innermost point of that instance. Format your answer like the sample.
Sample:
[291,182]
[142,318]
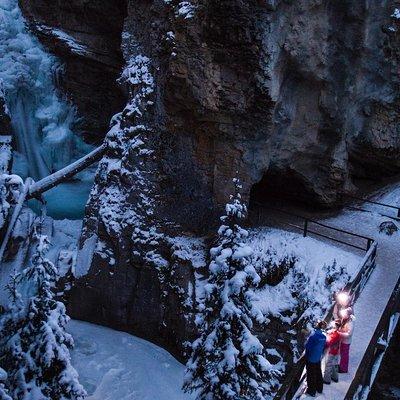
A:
[321,325]
[349,311]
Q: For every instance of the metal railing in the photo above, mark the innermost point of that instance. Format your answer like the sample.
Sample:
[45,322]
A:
[370,363]
[306,228]
[378,203]
[297,376]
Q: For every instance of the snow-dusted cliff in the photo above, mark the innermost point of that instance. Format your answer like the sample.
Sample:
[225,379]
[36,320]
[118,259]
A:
[296,98]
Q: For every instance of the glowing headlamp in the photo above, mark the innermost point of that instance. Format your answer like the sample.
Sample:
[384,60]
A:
[343,298]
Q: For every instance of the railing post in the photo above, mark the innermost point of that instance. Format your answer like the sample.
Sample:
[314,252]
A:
[369,242]
[398,213]
[305,227]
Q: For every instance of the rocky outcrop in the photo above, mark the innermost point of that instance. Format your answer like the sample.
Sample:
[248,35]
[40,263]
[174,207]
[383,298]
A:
[154,162]
[333,80]
[86,36]
[292,96]
[295,96]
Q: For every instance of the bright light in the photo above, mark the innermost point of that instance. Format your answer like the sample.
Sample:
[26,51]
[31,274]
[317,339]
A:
[343,313]
[343,298]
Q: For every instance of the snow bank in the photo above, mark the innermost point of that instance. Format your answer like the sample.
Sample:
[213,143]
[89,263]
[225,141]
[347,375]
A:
[319,269]
[114,365]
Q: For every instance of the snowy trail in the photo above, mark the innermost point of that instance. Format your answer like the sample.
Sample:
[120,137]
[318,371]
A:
[372,301]
[368,310]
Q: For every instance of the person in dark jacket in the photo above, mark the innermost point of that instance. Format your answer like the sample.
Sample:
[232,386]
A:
[315,347]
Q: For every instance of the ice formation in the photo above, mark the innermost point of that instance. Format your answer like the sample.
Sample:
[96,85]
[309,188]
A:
[42,121]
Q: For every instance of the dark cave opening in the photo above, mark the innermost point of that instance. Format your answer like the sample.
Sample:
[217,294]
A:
[282,188]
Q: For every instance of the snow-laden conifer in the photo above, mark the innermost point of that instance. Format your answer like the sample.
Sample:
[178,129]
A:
[12,355]
[227,359]
[42,367]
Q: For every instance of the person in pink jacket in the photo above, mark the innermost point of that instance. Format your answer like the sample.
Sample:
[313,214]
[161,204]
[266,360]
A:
[346,334]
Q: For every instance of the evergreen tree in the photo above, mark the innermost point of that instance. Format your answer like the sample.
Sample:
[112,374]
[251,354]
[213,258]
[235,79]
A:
[46,372]
[12,356]
[13,316]
[226,360]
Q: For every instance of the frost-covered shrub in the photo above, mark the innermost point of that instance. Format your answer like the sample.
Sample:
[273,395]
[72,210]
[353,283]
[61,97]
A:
[307,271]
[4,393]
[11,354]
[336,274]
[272,270]
[313,294]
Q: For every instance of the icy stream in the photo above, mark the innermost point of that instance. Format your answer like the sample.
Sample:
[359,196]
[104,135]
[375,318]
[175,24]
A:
[42,121]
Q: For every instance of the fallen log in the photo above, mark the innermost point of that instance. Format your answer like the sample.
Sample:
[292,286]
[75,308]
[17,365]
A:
[65,173]
[14,216]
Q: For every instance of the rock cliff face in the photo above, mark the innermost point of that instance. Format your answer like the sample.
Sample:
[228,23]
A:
[304,94]
[296,96]
[86,36]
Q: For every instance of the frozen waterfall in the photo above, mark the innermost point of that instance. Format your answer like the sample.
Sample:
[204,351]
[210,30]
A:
[42,121]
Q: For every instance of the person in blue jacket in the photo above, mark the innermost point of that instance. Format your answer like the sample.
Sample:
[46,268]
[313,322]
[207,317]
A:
[315,347]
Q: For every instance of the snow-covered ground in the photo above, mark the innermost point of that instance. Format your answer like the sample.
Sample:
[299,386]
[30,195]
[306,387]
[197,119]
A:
[315,264]
[114,365]
[368,222]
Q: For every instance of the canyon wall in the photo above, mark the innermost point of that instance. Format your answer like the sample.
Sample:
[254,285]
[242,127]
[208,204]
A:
[303,93]
[291,96]
[86,36]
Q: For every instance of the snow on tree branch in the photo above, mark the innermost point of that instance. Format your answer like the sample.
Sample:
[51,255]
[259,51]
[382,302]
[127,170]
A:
[227,360]
[34,342]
